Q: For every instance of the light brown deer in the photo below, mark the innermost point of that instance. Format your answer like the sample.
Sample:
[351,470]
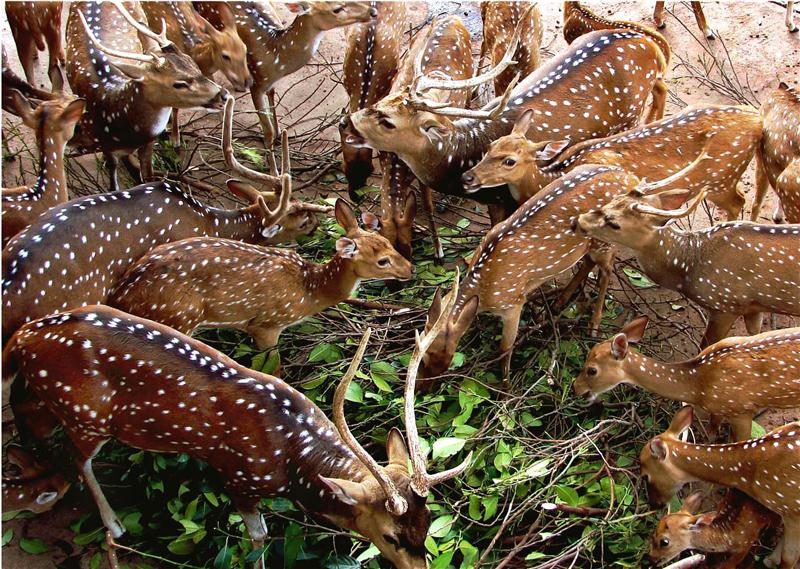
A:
[275,51]
[764,468]
[371,58]
[54,123]
[208,281]
[729,532]
[29,485]
[778,159]
[213,50]
[500,20]
[36,25]
[128,105]
[732,380]
[699,16]
[729,136]
[438,148]
[153,388]
[732,269]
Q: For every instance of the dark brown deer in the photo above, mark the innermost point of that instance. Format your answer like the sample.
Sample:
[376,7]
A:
[54,123]
[500,20]
[778,158]
[36,25]
[209,281]
[128,105]
[262,436]
[370,63]
[589,90]
[764,468]
[29,485]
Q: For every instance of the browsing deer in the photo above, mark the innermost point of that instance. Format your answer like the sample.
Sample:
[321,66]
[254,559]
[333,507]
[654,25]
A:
[371,59]
[36,25]
[12,82]
[31,487]
[128,105]
[438,150]
[732,269]
[729,532]
[728,135]
[500,20]
[764,468]
[54,123]
[151,387]
[275,51]
[213,50]
[778,159]
[208,281]
[733,379]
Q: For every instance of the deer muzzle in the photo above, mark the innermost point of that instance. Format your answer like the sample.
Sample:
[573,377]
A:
[470,182]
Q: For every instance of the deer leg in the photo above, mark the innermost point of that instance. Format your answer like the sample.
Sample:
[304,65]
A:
[602,290]
[110,519]
[265,338]
[700,17]
[254,522]
[719,324]
[497,213]
[510,329]
[145,154]
[742,427]
[731,202]
[264,118]
[660,91]
[790,25]
[774,558]
[752,323]
[658,16]
[577,281]
[273,116]
[26,50]
[788,186]
[438,251]
[762,185]
[790,554]
[175,135]
[111,164]
[714,422]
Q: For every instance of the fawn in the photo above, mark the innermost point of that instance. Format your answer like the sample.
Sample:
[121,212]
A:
[28,485]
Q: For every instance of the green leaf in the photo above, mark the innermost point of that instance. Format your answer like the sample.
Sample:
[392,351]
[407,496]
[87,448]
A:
[440,526]
[327,353]
[534,555]
[458,360]
[34,546]
[475,507]
[757,431]
[443,561]
[181,546]
[567,495]
[88,537]
[490,507]
[311,384]
[369,553]
[342,562]
[8,535]
[354,393]
[212,499]
[637,279]
[382,374]
[538,468]
[447,446]
[223,558]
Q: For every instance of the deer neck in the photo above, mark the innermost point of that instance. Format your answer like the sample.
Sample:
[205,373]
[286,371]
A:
[52,179]
[238,224]
[675,381]
[331,283]
[203,54]
[668,255]
[294,46]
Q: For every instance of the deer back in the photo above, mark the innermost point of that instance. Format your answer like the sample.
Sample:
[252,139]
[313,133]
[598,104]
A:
[780,148]
[500,20]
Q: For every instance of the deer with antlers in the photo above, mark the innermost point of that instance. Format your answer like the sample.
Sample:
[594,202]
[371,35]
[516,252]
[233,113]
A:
[732,269]
[36,25]
[262,436]
[29,485]
[371,58]
[778,159]
[566,90]
[500,20]
[54,123]
[733,379]
[128,104]
[764,468]
[209,281]
[729,532]
[728,135]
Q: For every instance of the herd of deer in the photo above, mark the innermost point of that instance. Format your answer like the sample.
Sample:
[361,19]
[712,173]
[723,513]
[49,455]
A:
[101,293]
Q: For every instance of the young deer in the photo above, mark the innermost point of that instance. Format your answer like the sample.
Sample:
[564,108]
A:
[729,136]
[153,388]
[733,379]
[275,51]
[128,105]
[208,281]
[730,532]
[732,269]
[500,20]
[29,485]
[764,468]
[213,50]
[53,122]
[34,25]
[778,159]
[371,59]
[438,149]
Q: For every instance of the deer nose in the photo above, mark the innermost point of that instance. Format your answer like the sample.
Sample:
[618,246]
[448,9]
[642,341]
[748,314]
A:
[468,178]
[574,224]
[373,11]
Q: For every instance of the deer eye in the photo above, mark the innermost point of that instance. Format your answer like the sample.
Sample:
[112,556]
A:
[384,262]
[226,57]
[180,85]
[386,123]
[664,542]
[338,10]
[391,539]
[509,162]
[591,371]
[611,223]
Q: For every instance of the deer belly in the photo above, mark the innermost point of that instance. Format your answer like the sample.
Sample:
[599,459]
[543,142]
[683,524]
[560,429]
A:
[160,122]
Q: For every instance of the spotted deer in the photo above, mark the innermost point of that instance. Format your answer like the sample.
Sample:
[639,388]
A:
[13,82]
[209,281]
[371,58]
[29,485]
[732,269]
[213,50]
[54,123]
[728,135]
[439,143]
[729,533]
[128,104]
[778,159]
[732,380]
[500,20]
[699,16]
[275,51]
[153,388]
[764,468]
[36,25]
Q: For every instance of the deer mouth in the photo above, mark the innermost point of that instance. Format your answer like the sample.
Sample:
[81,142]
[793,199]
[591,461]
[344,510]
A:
[217,102]
[349,134]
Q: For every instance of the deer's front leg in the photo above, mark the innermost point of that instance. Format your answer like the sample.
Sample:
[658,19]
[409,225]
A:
[254,522]
[145,154]
[259,96]
[510,329]
[719,324]
[110,519]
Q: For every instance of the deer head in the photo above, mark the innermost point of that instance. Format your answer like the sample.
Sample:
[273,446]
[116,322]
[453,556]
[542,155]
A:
[604,369]
[27,485]
[329,15]
[675,532]
[55,119]
[662,479]
[228,51]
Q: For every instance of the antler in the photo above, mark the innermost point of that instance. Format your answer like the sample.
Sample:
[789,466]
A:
[671,213]
[421,480]
[160,39]
[144,57]
[312,207]
[395,503]
[240,169]
[645,186]
[422,104]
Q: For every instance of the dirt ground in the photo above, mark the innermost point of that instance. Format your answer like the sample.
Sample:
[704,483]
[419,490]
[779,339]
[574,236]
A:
[753,42]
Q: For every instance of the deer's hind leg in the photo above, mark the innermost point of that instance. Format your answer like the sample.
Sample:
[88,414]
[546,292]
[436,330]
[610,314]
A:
[254,522]
[660,91]
[788,189]
[510,329]
[700,17]
[719,324]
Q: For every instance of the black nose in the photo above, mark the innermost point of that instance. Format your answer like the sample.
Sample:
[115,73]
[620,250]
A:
[467,178]
[373,12]
[574,224]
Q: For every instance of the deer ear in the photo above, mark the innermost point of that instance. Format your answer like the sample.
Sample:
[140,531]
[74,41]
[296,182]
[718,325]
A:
[298,8]
[634,330]
[345,216]
[692,503]
[46,497]
[73,111]
[703,520]
[346,491]
[681,421]
[396,448]
[619,346]
[523,123]
[132,72]
[553,149]
[658,449]
[226,15]
[671,199]
[19,457]
[467,314]
[207,27]
[346,247]
[243,190]
[370,221]
[23,107]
